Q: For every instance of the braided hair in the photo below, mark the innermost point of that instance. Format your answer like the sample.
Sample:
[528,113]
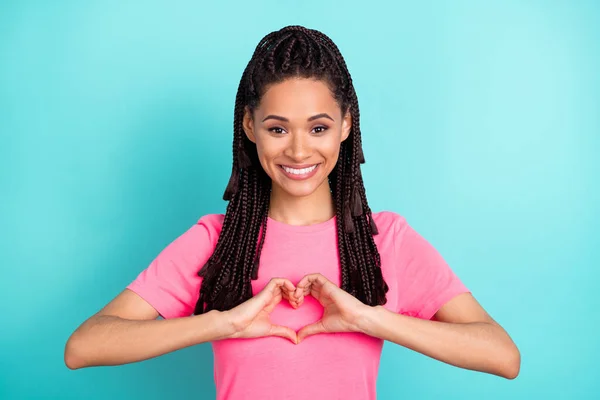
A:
[291,52]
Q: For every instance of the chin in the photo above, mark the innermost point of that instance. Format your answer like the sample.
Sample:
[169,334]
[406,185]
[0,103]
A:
[298,190]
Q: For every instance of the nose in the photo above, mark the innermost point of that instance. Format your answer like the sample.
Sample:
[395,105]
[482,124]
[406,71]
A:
[299,147]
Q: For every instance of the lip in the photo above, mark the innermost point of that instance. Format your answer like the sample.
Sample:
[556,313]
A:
[303,176]
[299,166]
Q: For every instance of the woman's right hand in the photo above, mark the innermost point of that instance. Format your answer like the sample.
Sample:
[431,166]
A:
[251,318]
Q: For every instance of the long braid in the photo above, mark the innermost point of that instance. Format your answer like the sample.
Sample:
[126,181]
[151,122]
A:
[293,51]
[359,200]
[263,235]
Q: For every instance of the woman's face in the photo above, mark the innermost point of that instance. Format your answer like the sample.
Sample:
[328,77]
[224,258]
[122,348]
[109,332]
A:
[298,129]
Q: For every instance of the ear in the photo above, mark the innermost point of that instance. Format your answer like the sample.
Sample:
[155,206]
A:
[248,125]
[346,125]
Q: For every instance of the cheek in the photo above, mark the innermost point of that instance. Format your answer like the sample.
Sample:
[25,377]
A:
[266,152]
[331,150]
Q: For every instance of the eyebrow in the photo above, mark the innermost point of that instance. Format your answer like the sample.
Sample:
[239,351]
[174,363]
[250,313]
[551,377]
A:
[280,118]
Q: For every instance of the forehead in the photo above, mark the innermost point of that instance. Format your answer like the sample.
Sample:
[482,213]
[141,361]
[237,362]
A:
[298,96]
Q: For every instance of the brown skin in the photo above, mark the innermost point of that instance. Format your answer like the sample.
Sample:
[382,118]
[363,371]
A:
[126,329]
[298,142]
[462,333]
[251,319]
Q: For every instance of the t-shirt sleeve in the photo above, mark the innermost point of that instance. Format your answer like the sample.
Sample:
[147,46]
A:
[425,281]
[171,283]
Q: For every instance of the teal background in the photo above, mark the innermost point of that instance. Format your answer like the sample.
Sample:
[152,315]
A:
[480,125]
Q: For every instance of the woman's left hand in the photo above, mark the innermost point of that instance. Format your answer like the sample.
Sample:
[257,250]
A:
[342,311]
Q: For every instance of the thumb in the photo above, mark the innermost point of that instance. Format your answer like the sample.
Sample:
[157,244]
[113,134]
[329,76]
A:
[284,331]
[311,329]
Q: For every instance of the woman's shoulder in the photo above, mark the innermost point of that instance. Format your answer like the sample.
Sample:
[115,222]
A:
[206,229]
[388,221]
[212,222]
[212,219]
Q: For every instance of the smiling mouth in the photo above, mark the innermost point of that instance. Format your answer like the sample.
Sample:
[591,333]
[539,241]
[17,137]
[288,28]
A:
[300,173]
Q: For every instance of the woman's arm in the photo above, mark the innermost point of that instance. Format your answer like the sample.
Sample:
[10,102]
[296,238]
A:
[126,331]
[462,334]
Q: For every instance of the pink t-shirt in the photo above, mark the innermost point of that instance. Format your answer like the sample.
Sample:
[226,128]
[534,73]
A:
[322,366]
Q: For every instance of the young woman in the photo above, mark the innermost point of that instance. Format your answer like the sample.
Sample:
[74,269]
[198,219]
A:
[299,267]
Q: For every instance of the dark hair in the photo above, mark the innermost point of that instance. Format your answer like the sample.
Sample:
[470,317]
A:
[293,51]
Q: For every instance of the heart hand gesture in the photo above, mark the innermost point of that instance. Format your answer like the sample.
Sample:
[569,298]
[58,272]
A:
[342,311]
[251,318]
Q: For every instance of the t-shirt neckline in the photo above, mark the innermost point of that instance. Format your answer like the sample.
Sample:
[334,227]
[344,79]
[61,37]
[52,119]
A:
[318,227]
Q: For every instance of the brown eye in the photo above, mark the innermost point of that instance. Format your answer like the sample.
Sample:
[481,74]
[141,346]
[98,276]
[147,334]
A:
[322,129]
[276,130]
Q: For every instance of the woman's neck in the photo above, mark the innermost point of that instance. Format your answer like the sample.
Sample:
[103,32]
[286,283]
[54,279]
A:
[292,210]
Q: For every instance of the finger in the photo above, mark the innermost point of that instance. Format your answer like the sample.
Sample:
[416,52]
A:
[309,281]
[316,279]
[275,290]
[288,291]
[283,285]
[302,292]
[285,332]
[303,287]
[291,299]
[271,294]
[311,329]
[288,285]
[275,285]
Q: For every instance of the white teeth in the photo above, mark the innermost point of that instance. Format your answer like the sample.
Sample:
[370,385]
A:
[299,171]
